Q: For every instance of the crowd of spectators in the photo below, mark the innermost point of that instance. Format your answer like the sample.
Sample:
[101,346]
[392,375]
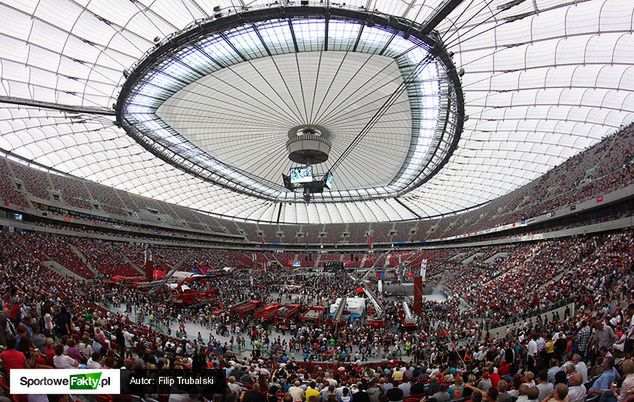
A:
[49,320]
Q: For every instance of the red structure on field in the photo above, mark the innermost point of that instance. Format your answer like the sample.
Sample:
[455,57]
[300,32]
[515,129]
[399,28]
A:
[149,270]
[418,295]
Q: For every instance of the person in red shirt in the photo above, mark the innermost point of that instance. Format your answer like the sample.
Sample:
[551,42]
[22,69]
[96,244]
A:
[495,377]
[504,369]
[13,304]
[49,351]
[12,358]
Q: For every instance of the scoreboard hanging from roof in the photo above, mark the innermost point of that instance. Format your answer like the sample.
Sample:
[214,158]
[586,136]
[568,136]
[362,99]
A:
[333,265]
[302,174]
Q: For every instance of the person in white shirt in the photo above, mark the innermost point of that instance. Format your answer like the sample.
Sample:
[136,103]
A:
[62,361]
[541,343]
[328,390]
[331,381]
[531,352]
[576,391]
[522,393]
[48,324]
[580,367]
[296,392]
[233,387]
[93,362]
[480,355]
[533,394]
[545,388]
[96,346]
[128,337]
[553,370]
[616,319]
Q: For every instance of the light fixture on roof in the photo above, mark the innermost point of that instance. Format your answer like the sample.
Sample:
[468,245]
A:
[307,144]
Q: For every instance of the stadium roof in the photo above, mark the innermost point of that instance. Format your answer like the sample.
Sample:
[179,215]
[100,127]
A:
[542,81]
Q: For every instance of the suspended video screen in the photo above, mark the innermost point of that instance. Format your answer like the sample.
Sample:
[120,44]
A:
[301,174]
[330,179]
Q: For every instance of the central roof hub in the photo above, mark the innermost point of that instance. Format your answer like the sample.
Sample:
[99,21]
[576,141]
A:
[308,144]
